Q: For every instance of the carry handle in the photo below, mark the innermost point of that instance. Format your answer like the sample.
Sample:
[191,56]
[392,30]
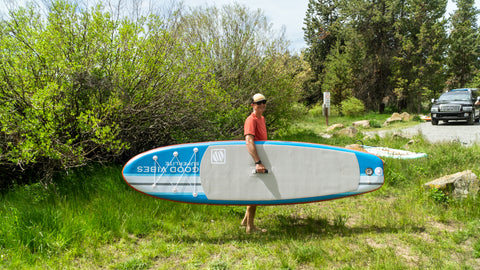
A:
[255,172]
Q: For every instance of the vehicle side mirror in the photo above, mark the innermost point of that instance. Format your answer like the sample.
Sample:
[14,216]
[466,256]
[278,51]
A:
[433,100]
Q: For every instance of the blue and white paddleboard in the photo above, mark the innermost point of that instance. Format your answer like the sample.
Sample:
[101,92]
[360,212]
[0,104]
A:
[392,153]
[224,173]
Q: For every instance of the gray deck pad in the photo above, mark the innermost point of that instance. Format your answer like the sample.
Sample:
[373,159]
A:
[226,172]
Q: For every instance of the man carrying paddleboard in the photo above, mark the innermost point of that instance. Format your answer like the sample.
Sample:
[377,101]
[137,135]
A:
[255,129]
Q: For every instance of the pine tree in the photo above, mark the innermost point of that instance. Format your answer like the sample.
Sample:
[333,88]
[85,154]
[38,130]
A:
[418,67]
[320,36]
[463,53]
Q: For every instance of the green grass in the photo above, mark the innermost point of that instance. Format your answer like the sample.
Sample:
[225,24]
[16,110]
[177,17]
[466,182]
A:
[315,122]
[90,219]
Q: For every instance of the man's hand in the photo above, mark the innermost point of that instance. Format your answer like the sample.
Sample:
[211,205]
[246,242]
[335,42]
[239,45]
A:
[259,168]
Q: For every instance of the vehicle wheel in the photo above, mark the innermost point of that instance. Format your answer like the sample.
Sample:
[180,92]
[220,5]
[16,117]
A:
[471,119]
[434,121]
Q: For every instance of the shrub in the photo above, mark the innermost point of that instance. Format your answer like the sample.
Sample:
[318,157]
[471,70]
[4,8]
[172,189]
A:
[375,124]
[439,196]
[79,86]
[316,111]
[352,107]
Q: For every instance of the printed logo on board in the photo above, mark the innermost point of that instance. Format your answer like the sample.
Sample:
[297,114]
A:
[219,156]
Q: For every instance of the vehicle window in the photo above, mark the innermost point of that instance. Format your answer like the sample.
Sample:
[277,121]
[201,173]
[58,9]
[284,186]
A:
[454,96]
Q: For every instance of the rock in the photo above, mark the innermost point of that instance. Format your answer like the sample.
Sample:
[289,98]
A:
[325,135]
[371,136]
[400,135]
[459,185]
[405,116]
[350,132]
[335,127]
[362,123]
[397,117]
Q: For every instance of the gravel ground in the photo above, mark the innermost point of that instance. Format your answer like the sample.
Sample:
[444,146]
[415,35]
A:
[443,132]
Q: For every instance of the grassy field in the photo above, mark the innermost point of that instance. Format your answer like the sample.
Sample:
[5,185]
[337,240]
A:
[90,219]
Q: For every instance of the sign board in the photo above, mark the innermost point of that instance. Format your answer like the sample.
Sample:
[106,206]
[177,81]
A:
[326,105]
[326,99]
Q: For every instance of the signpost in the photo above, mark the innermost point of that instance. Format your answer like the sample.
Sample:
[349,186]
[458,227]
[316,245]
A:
[326,105]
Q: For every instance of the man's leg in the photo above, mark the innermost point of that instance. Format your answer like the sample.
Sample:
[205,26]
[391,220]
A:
[250,217]
[247,215]
[244,221]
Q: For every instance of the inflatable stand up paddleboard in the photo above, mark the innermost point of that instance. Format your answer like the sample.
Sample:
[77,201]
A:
[223,173]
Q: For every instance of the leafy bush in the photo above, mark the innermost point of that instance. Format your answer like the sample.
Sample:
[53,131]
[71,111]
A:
[84,85]
[352,107]
[439,196]
[417,118]
[316,111]
[375,123]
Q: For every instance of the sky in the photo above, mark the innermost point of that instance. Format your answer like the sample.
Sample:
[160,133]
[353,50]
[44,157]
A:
[289,13]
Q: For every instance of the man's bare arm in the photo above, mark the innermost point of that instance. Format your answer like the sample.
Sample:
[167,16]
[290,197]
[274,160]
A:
[252,150]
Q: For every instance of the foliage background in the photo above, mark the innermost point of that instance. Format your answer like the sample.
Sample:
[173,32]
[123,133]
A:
[82,85]
[88,84]
[390,54]
[101,81]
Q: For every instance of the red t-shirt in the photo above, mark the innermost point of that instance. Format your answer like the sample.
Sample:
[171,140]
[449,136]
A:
[255,126]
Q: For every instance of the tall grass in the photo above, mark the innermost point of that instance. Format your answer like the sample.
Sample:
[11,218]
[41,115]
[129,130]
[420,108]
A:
[90,219]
